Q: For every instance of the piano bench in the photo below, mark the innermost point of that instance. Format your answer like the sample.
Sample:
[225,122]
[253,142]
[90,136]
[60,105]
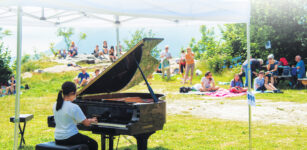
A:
[53,146]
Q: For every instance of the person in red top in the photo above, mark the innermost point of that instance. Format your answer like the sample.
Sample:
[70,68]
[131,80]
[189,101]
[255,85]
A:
[182,63]
[189,58]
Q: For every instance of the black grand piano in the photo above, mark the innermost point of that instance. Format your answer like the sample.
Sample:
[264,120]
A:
[134,114]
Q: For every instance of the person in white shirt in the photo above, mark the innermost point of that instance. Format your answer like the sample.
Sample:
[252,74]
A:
[67,115]
[95,74]
[208,84]
[165,64]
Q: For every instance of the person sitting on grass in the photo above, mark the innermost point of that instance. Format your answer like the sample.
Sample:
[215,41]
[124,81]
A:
[97,72]
[105,49]
[73,50]
[261,85]
[1,92]
[67,115]
[111,54]
[62,54]
[259,82]
[236,85]
[208,84]
[84,78]
[12,86]
[98,53]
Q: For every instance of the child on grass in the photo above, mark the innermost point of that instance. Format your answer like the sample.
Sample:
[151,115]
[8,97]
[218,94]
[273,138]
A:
[236,86]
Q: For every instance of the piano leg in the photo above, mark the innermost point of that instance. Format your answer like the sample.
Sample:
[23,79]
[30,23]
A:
[142,140]
[111,138]
[103,142]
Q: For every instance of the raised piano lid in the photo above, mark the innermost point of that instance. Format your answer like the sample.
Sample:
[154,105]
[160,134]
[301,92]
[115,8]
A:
[124,74]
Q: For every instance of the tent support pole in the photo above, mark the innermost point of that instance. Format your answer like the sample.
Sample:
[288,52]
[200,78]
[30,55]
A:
[249,74]
[117,23]
[18,72]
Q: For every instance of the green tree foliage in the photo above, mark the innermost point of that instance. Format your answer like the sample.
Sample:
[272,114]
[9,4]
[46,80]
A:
[209,49]
[137,36]
[282,22]
[66,33]
[82,36]
[52,49]
[4,59]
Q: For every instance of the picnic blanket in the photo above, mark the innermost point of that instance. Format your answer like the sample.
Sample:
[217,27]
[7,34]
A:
[224,93]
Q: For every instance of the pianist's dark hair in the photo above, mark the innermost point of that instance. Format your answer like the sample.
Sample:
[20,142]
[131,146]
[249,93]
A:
[67,88]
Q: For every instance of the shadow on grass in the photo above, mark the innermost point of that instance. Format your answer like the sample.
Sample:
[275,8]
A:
[134,147]
[27,147]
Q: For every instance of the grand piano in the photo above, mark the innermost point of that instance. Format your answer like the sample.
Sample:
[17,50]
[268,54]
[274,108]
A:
[135,114]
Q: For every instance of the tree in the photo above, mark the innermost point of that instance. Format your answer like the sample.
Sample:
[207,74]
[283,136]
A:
[282,22]
[137,36]
[4,59]
[211,50]
[51,47]
[66,33]
[82,36]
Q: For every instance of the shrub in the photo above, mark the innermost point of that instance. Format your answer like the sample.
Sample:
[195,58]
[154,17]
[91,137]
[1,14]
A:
[5,70]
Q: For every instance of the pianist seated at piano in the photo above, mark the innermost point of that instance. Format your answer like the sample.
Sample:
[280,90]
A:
[67,115]
[83,78]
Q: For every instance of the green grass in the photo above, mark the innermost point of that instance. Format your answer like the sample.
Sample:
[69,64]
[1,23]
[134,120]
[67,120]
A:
[180,132]
[33,65]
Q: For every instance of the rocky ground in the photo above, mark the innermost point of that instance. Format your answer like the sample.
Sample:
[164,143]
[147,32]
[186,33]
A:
[288,113]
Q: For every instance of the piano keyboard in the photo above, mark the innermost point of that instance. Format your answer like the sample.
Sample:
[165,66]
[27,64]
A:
[110,125]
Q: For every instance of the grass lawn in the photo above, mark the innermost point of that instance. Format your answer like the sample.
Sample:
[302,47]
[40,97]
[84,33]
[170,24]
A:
[180,131]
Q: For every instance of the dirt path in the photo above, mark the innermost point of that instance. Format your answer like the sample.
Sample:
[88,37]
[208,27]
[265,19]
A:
[288,113]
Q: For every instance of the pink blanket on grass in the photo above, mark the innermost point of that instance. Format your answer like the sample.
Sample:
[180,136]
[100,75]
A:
[224,93]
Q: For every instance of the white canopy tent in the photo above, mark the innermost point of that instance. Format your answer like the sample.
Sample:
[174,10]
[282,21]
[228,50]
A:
[67,12]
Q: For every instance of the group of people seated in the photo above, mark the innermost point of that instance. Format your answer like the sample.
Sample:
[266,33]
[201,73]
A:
[261,80]
[276,68]
[10,88]
[73,51]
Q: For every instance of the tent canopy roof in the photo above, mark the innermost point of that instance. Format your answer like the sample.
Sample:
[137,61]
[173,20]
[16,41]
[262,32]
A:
[57,12]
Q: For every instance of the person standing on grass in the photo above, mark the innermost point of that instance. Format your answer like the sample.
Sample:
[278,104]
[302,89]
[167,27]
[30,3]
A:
[84,78]
[255,67]
[236,85]
[67,115]
[182,63]
[208,84]
[165,64]
[190,65]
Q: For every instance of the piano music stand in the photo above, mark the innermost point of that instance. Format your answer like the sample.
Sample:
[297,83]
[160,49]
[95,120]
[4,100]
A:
[22,118]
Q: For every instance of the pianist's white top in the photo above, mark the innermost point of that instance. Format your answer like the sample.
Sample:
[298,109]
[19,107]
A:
[66,120]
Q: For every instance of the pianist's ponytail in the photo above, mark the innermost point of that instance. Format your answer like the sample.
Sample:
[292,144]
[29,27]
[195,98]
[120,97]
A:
[67,88]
